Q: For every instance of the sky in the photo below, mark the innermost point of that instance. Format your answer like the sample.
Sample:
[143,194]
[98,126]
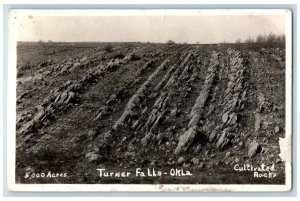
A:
[189,29]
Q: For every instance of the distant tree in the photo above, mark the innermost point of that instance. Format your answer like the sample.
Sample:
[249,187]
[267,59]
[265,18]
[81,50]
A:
[238,41]
[41,43]
[249,40]
[50,41]
[224,44]
[271,38]
[280,38]
[170,42]
[265,40]
[260,38]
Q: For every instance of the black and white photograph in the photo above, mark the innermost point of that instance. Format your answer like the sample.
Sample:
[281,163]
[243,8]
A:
[163,100]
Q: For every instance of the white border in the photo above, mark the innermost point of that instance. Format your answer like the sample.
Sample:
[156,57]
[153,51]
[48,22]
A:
[11,108]
[143,12]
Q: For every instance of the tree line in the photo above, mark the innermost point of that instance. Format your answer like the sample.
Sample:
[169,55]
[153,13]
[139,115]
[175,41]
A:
[270,38]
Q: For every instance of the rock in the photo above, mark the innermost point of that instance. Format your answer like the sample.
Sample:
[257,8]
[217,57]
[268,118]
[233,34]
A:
[145,110]
[212,136]
[181,160]
[186,140]
[278,161]
[130,147]
[225,117]
[135,124]
[238,87]
[224,140]
[38,76]
[232,77]
[173,113]
[153,163]
[264,140]
[232,119]
[157,122]
[227,154]
[264,105]
[230,84]
[92,133]
[91,156]
[277,129]
[44,162]
[169,163]
[160,138]
[112,66]
[127,153]
[77,64]
[83,59]
[253,149]
[47,73]
[63,97]
[107,136]
[152,118]
[101,112]
[201,165]
[241,144]
[130,57]
[71,96]
[257,122]
[137,96]
[30,169]
[145,141]
[198,107]
[266,124]
[217,163]
[195,161]
[112,99]
[198,148]
[153,95]
[161,101]
[263,150]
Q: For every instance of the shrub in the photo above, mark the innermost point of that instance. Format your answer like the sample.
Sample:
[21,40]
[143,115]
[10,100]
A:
[108,48]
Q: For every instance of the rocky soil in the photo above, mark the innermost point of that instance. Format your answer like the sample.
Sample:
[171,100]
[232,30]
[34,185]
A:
[160,106]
